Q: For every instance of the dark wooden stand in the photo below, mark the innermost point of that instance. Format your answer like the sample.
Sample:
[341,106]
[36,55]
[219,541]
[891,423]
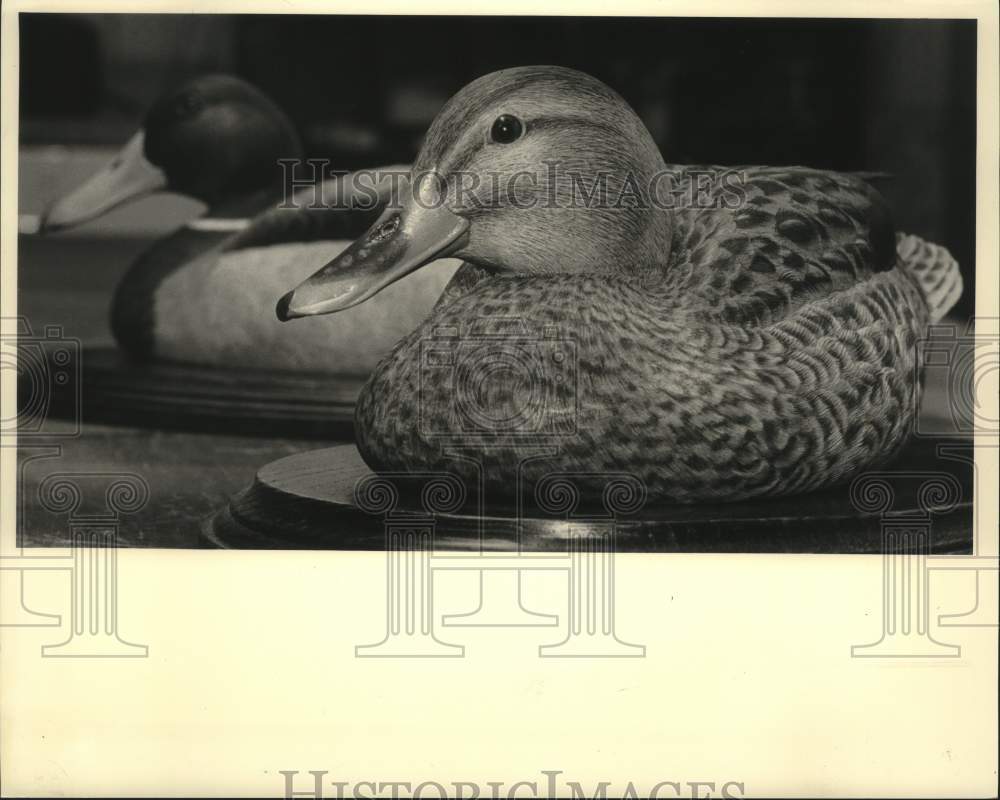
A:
[311,501]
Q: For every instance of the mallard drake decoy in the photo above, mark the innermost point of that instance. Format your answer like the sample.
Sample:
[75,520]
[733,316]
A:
[717,350]
[204,294]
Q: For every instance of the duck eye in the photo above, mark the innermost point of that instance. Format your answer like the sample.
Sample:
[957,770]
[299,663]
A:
[506,129]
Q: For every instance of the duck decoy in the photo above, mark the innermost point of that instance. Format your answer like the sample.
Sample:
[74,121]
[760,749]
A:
[204,294]
[716,350]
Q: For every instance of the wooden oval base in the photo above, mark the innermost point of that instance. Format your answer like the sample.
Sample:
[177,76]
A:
[306,501]
[118,391]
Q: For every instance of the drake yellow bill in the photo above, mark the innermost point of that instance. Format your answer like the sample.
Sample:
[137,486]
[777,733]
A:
[129,174]
[400,241]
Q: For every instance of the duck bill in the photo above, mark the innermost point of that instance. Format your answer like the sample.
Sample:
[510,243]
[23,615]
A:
[128,175]
[399,242]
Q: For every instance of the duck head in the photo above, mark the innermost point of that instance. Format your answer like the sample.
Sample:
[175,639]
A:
[532,170]
[215,138]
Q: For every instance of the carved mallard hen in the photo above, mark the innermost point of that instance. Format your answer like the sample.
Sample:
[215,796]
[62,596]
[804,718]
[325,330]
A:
[204,294]
[758,342]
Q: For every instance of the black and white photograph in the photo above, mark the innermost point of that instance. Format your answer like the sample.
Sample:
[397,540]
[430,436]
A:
[508,309]
[567,286]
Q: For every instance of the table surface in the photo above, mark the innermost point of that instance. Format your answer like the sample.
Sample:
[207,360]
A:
[67,281]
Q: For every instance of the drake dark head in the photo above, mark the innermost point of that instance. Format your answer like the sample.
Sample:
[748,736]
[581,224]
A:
[215,138]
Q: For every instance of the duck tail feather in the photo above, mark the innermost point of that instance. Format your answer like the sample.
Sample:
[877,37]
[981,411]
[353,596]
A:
[934,269]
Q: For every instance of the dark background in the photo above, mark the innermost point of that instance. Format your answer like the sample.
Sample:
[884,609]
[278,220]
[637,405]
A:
[886,95]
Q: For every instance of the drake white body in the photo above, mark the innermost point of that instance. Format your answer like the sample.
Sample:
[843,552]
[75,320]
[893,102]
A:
[218,310]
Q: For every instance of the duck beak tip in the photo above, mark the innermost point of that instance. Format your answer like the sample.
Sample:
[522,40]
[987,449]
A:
[47,225]
[283,308]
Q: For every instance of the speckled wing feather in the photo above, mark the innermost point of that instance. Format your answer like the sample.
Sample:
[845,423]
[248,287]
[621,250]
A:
[798,234]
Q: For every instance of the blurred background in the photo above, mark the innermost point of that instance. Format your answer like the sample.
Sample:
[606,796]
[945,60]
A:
[893,96]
